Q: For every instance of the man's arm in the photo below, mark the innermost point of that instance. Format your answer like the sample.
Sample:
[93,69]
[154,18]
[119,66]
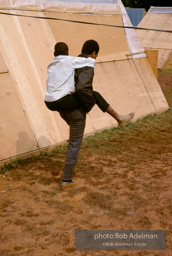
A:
[83,83]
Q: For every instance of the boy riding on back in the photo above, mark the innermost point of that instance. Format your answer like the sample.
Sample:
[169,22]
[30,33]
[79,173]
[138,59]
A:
[63,93]
[74,98]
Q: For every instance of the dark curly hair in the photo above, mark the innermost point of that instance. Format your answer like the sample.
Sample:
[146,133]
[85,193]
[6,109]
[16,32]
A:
[60,48]
[90,46]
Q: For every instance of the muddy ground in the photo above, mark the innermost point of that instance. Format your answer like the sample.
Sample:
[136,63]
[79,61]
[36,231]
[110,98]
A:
[123,183]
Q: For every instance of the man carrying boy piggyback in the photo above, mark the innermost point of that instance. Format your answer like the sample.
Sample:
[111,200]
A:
[73,99]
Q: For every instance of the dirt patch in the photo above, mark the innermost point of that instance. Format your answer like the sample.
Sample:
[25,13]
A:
[165,79]
[123,182]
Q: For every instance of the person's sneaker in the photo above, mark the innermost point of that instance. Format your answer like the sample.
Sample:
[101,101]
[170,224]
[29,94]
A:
[67,184]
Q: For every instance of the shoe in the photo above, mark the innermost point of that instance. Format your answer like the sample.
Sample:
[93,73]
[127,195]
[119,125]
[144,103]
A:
[67,184]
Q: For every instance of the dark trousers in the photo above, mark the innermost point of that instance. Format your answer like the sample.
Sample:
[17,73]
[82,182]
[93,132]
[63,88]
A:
[76,120]
[72,101]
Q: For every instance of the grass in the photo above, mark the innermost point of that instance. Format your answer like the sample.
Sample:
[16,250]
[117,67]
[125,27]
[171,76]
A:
[164,72]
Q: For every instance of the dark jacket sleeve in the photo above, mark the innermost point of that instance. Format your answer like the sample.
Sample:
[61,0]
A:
[83,83]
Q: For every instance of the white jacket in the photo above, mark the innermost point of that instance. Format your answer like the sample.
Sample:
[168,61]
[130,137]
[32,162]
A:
[61,72]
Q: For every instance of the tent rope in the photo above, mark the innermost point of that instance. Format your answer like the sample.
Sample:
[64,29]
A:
[84,22]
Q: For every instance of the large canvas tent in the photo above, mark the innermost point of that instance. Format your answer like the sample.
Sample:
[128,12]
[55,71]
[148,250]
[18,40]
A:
[159,18]
[122,74]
